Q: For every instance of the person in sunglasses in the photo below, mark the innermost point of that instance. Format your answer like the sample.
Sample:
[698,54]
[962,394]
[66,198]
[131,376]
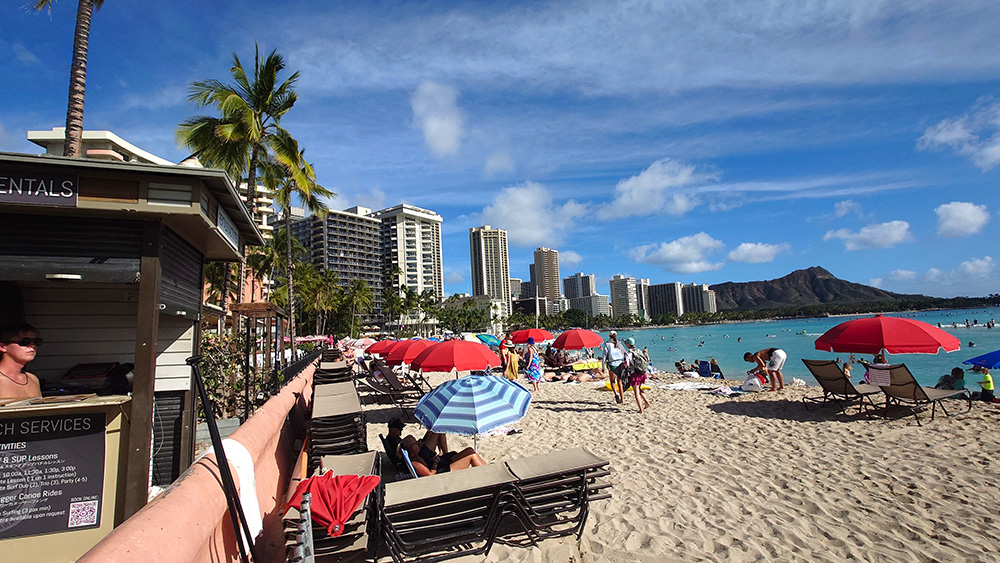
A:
[18,346]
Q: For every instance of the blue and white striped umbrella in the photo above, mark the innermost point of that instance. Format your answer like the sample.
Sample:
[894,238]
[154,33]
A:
[473,405]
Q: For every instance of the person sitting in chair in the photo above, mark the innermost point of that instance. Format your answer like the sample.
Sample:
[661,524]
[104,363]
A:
[395,435]
[427,462]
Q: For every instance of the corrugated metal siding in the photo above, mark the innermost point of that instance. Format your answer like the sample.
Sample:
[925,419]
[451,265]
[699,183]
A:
[44,235]
[168,418]
[180,280]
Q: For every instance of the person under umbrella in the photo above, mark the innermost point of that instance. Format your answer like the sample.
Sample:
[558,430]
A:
[532,365]
[427,462]
[510,360]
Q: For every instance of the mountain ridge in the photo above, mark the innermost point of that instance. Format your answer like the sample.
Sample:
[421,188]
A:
[811,286]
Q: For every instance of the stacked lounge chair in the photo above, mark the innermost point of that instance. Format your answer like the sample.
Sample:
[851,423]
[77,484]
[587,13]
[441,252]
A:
[333,372]
[353,543]
[337,426]
[518,502]
[331,355]
[556,489]
[837,387]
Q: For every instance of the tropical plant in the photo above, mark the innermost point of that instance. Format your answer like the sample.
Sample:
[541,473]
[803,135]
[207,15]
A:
[219,283]
[287,181]
[361,298]
[72,146]
[248,128]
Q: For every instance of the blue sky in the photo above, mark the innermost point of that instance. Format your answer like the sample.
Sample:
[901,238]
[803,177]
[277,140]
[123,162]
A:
[678,141]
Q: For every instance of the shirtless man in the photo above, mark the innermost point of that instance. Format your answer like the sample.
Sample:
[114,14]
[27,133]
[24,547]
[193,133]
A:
[770,361]
[18,346]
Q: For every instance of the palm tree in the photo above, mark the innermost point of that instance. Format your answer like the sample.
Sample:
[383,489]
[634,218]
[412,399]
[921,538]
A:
[288,180]
[248,128]
[77,72]
[361,298]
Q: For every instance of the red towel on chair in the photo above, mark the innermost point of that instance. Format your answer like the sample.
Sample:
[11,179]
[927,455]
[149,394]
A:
[334,498]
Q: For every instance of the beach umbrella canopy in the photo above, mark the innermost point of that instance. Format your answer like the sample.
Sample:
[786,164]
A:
[461,355]
[405,351]
[363,343]
[522,336]
[577,339]
[472,405]
[991,360]
[488,339]
[895,335]
[381,348]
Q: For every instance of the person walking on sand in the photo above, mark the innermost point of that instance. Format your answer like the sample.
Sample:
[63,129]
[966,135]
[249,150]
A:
[613,363]
[769,361]
[533,371]
[510,360]
[637,363]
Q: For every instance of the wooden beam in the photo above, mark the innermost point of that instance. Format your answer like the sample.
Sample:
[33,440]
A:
[147,330]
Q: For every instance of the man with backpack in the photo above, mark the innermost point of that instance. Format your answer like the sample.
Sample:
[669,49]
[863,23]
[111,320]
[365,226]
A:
[613,363]
[637,364]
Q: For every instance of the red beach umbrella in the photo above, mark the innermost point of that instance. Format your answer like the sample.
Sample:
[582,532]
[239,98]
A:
[522,336]
[405,351]
[461,355]
[895,335]
[381,348]
[577,339]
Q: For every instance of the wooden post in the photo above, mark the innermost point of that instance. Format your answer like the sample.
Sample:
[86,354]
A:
[147,329]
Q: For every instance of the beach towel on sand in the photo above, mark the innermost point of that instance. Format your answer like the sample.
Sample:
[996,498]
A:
[334,498]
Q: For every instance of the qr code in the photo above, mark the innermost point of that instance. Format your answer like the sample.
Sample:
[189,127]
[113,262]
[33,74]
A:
[83,513]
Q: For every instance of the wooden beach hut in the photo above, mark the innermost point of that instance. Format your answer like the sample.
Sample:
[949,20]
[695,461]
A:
[106,259]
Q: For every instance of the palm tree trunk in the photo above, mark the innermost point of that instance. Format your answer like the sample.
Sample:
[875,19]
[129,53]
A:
[291,288]
[78,80]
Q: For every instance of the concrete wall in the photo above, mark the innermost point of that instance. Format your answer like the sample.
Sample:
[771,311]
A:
[189,521]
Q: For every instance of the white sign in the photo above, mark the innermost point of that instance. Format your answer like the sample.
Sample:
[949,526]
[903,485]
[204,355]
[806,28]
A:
[228,229]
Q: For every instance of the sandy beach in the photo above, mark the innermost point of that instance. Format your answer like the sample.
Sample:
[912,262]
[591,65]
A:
[700,477]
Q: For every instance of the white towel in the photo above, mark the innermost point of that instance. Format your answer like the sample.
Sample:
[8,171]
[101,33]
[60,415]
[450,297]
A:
[238,456]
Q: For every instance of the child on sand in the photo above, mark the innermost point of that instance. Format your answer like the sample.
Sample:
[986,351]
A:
[637,364]
[987,385]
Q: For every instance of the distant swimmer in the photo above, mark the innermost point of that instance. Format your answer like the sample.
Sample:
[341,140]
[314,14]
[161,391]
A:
[739,339]
[771,335]
[671,349]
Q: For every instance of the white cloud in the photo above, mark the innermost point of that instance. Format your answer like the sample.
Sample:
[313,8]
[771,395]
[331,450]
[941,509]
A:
[453,277]
[531,216]
[24,55]
[757,252]
[437,115]
[686,255]
[974,277]
[655,190]
[842,208]
[977,267]
[975,134]
[961,218]
[882,235]
[498,162]
[569,258]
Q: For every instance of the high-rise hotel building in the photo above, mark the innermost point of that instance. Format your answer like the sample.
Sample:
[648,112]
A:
[547,278]
[490,264]
[411,241]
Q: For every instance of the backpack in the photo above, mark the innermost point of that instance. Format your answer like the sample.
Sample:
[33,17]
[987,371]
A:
[639,362]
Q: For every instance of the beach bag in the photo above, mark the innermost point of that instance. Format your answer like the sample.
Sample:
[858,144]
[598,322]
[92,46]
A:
[639,363]
[752,384]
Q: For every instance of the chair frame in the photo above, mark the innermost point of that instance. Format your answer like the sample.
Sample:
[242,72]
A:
[840,390]
[908,393]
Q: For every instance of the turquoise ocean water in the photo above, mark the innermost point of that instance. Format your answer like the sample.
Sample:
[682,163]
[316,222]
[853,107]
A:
[797,337]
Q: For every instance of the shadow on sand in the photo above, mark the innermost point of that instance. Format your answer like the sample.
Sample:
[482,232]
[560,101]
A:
[787,410]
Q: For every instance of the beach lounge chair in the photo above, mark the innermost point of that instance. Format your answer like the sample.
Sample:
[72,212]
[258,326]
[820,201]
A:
[705,369]
[837,387]
[555,490]
[904,391]
[443,516]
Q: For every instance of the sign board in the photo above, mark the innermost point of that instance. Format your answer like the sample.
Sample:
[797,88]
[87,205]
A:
[38,189]
[228,229]
[51,473]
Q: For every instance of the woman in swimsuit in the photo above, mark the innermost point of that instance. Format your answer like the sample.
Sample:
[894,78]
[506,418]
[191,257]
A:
[427,462]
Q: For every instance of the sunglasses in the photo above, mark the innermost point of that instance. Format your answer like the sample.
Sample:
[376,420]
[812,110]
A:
[26,341]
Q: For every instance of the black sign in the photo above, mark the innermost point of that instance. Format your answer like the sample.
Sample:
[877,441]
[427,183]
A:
[51,473]
[38,189]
